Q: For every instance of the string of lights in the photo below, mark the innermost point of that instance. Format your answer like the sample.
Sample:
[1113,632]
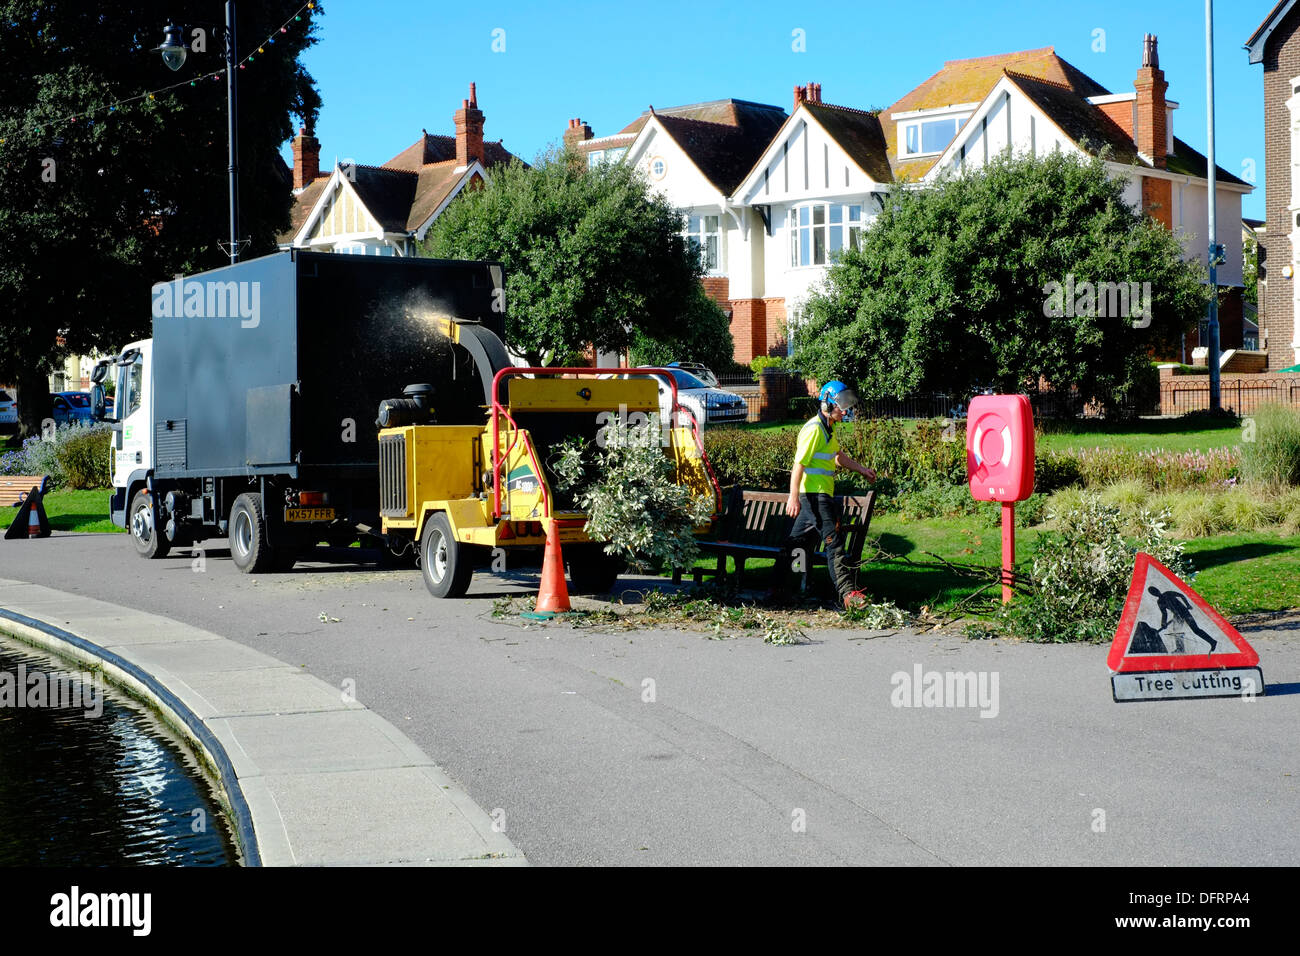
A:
[88,115]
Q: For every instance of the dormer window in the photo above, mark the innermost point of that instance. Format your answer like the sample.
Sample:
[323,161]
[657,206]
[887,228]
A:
[928,132]
[927,137]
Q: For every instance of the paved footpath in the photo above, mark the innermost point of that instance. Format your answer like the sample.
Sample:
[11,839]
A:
[653,747]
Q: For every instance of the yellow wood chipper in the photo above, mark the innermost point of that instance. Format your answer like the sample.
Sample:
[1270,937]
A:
[464,494]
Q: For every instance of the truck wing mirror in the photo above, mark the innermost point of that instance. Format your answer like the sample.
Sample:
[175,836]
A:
[97,402]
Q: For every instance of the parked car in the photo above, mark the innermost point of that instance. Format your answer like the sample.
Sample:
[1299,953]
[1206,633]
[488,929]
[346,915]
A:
[8,412]
[702,372]
[707,404]
[71,408]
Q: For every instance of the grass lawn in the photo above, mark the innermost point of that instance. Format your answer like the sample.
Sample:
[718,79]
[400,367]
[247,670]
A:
[79,511]
[1170,434]
[1238,574]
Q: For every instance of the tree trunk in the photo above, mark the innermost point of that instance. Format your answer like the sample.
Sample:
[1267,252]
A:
[34,405]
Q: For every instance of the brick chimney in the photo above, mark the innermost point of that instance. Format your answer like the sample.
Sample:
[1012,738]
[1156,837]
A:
[800,94]
[814,92]
[469,130]
[1152,133]
[578,132]
[306,159]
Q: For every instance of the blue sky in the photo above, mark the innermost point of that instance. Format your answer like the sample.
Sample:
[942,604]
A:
[386,68]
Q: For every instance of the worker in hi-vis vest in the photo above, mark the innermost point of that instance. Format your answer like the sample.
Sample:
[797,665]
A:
[812,495]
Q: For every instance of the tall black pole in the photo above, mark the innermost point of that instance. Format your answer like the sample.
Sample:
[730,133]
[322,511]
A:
[1213,324]
[232,102]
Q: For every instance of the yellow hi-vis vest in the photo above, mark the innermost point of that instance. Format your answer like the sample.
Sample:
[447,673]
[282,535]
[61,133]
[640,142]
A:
[816,450]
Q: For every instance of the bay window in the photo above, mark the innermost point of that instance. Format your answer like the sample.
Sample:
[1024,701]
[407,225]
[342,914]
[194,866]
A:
[820,231]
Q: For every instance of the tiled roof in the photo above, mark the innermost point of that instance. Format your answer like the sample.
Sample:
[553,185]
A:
[723,138]
[302,207]
[436,182]
[438,149]
[859,134]
[387,193]
[1186,161]
[969,81]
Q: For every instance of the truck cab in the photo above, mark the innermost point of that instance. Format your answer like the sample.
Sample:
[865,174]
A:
[131,419]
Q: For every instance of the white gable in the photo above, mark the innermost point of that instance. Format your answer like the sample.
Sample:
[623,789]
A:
[339,216]
[668,168]
[803,161]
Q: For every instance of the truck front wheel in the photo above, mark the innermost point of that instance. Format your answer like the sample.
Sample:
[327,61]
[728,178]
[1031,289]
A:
[444,561]
[248,546]
[142,520]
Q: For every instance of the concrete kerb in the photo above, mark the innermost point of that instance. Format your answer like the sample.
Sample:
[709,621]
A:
[308,776]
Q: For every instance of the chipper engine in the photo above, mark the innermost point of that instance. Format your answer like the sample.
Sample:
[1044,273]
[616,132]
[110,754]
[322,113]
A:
[464,493]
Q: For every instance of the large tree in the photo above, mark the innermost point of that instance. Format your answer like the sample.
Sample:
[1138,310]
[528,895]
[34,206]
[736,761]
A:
[97,205]
[1002,277]
[592,257]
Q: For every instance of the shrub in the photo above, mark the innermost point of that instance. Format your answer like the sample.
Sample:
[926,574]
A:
[751,459]
[803,406]
[1274,455]
[760,362]
[84,448]
[632,502]
[85,457]
[1054,470]
[1080,574]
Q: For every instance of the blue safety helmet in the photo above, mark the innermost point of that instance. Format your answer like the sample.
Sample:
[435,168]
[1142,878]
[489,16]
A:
[835,393]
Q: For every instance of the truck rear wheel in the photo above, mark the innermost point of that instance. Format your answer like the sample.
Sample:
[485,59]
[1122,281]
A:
[248,546]
[444,561]
[150,540]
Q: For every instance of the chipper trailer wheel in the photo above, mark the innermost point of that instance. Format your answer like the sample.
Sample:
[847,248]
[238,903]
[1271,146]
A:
[150,540]
[444,561]
[248,546]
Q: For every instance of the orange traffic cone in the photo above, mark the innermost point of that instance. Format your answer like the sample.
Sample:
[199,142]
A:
[554,593]
[33,522]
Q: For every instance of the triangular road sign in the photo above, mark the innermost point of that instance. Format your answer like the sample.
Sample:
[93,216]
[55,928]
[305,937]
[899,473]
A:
[1166,626]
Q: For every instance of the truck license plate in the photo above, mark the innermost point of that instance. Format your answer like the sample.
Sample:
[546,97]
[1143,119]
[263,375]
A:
[308,514]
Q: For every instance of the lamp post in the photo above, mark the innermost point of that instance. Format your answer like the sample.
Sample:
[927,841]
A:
[173,52]
[1215,251]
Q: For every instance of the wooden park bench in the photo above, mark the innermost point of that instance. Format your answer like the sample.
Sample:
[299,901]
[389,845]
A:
[754,524]
[15,488]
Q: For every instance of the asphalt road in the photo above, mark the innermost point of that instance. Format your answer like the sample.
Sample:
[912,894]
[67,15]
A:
[750,753]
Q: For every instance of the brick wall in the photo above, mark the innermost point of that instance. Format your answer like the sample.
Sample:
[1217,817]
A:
[1157,197]
[718,289]
[1281,63]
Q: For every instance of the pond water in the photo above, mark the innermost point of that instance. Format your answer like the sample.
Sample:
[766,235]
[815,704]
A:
[90,777]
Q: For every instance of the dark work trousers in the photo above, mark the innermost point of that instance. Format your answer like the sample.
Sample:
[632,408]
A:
[818,521]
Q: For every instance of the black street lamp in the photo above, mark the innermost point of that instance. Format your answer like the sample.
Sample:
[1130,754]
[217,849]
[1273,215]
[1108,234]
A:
[174,52]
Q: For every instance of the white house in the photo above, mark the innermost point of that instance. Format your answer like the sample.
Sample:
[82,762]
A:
[384,210]
[815,182]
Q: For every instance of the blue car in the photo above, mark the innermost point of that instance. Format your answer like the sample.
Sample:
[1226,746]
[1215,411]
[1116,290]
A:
[71,408]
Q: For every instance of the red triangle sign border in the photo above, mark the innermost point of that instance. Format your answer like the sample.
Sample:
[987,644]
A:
[1119,663]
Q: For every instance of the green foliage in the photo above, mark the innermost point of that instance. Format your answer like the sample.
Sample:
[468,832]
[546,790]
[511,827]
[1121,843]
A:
[751,459]
[803,406]
[74,457]
[760,362]
[1274,455]
[950,288]
[86,458]
[1080,573]
[94,211]
[592,256]
[1156,469]
[703,335]
[632,502]
[1250,269]
[1055,470]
